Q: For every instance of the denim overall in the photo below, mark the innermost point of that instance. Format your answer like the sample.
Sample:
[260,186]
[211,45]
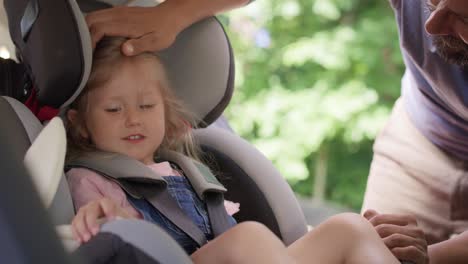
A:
[181,190]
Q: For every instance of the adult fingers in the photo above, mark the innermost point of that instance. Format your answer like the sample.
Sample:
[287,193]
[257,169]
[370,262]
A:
[385,230]
[150,42]
[120,21]
[105,15]
[412,254]
[113,29]
[403,241]
[370,213]
[393,219]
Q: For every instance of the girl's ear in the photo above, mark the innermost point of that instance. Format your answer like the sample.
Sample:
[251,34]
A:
[72,116]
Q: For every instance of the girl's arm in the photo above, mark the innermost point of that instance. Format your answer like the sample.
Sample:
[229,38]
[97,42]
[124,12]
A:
[88,219]
[85,186]
[96,199]
[453,251]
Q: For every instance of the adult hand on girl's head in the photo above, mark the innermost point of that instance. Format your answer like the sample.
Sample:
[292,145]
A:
[86,222]
[149,28]
[401,235]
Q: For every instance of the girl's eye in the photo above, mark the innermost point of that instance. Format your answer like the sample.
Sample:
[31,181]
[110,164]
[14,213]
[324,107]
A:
[113,109]
[147,106]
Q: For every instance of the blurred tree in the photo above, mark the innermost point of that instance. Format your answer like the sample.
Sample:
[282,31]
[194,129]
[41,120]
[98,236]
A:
[316,80]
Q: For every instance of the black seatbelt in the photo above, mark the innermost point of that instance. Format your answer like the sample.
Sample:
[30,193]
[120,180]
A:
[217,213]
[161,199]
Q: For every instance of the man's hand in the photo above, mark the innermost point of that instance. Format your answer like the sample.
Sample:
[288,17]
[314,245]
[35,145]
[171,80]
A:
[401,235]
[86,222]
[149,28]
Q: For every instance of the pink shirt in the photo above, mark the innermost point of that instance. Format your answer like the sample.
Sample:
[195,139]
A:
[86,186]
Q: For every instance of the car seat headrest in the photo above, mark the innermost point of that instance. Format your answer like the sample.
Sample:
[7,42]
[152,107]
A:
[53,41]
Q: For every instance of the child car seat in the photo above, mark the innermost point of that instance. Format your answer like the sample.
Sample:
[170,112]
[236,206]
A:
[54,43]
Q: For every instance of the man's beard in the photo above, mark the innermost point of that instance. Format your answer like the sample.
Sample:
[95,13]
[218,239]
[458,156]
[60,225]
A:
[452,50]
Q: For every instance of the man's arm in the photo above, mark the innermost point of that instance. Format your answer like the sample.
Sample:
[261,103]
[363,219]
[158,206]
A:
[453,251]
[195,10]
[153,28]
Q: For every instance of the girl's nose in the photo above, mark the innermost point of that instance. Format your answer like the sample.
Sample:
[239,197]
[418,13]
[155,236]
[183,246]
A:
[133,118]
[440,22]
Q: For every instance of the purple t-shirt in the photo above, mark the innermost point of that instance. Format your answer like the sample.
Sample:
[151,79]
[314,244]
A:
[435,93]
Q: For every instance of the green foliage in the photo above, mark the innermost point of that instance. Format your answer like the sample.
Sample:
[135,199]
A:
[348,165]
[315,74]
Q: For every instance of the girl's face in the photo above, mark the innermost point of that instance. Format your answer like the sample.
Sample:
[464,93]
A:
[126,114]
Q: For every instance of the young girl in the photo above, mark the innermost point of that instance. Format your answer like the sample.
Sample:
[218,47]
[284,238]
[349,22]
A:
[128,108]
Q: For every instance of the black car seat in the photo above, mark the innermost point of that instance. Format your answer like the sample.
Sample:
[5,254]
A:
[53,42]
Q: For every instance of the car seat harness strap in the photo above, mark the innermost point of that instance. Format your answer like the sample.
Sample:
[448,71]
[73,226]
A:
[167,205]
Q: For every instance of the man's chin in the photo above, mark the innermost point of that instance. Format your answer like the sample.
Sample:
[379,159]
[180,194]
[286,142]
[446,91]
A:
[452,50]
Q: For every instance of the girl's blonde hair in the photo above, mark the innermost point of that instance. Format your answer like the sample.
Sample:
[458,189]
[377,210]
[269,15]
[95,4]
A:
[107,58]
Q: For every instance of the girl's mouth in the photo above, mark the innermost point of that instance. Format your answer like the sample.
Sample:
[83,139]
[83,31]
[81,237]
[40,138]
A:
[134,138]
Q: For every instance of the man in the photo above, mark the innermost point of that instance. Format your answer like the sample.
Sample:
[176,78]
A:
[421,156]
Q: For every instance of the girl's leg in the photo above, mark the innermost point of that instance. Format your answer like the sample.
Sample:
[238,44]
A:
[345,238]
[247,242]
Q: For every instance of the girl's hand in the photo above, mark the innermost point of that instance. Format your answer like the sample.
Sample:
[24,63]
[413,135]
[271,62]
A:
[86,222]
[401,235]
[150,28]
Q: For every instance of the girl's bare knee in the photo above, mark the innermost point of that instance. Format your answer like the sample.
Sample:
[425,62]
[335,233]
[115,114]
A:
[251,231]
[252,226]
[247,237]
[351,223]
